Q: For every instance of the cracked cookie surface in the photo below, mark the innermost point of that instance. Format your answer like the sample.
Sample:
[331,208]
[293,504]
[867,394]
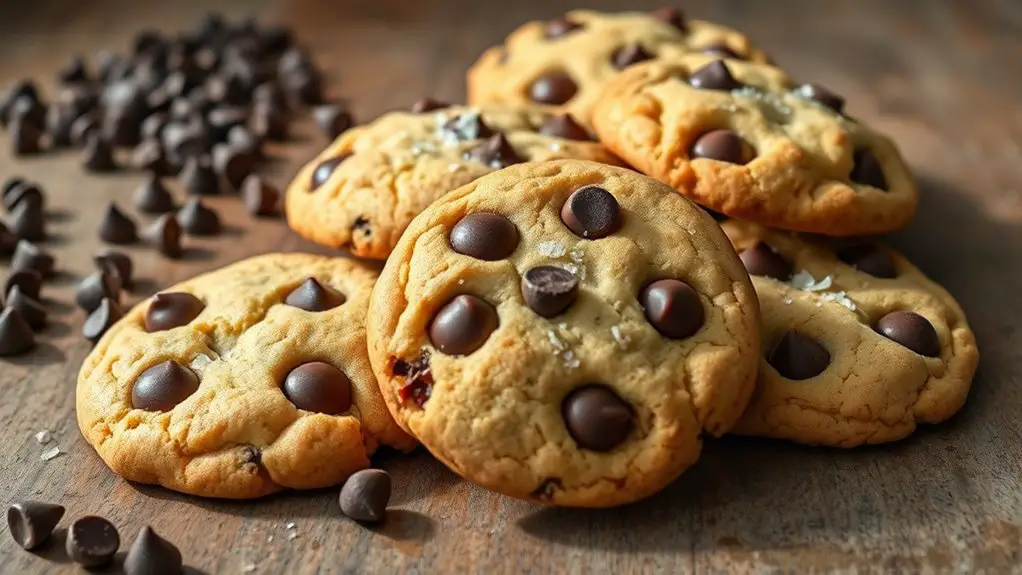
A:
[565,332]
[362,191]
[565,62]
[744,140]
[241,382]
[860,346]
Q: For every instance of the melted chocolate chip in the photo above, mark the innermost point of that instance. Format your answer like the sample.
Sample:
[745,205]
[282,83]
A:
[870,259]
[763,260]
[723,146]
[714,76]
[467,126]
[797,356]
[592,212]
[910,330]
[428,104]
[866,169]
[630,54]
[495,152]
[314,296]
[463,325]
[721,50]
[564,126]
[172,309]
[484,236]
[672,307]
[596,418]
[554,87]
[325,169]
[549,290]
[163,386]
[560,27]
[318,387]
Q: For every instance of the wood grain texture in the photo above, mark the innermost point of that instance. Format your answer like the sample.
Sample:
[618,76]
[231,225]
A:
[941,78]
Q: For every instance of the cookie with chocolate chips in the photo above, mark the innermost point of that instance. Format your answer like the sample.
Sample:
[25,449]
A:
[563,63]
[242,382]
[860,347]
[565,332]
[742,139]
[362,191]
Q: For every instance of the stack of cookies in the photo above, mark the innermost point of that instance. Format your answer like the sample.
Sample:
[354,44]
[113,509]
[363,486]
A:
[638,232]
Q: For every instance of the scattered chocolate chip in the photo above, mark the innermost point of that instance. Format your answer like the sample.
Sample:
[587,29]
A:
[484,236]
[151,554]
[183,140]
[120,127]
[27,280]
[723,146]
[32,522]
[630,54]
[74,71]
[592,213]
[77,99]
[163,386]
[325,169]
[150,157]
[870,259]
[28,221]
[82,127]
[98,157]
[172,309]
[241,137]
[8,241]
[117,264]
[96,287]
[234,164]
[495,152]
[562,26]
[797,356]
[365,495]
[198,178]
[101,319]
[9,186]
[549,290]
[30,309]
[16,335]
[762,260]
[25,137]
[220,120]
[116,227]
[269,94]
[27,111]
[21,191]
[910,330]
[92,541]
[269,123]
[28,256]
[428,104]
[58,125]
[152,197]
[198,220]
[318,387]
[555,87]
[714,76]
[22,88]
[152,127]
[332,119]
[226,89]
[672,307]
[564,126]
[463,325]
[721,50]
[866,169]
[467,126]
[164,234]
[672,16]
[822,95]
[596,418]
[260,197]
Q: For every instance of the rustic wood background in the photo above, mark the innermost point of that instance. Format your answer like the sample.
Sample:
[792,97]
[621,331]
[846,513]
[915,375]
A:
[942,77]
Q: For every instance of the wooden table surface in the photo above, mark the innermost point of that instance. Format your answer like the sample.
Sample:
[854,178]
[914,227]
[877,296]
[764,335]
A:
[943,78]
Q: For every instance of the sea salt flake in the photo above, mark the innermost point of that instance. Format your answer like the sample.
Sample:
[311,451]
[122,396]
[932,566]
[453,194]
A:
[51,453]
[839,297]
[551,248]
[577,255]
[555,341]
[290,525]
[619,337]
[805,281]
[200,361]
[555,147]
[43,437]
[570,361]
[269,539]
[250,568]
[454,168]
[292,536]
[787,300]
[461,282]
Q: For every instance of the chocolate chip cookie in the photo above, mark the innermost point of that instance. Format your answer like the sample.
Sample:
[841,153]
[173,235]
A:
[362,191]
[860,345]
[565,332]
[564,63]
[743,139]
[241,382]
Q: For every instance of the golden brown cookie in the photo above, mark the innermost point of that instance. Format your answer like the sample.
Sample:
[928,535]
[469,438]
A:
[242,382]
[565,62]
[565,332]
[744,140]
[860,345]
[362,191]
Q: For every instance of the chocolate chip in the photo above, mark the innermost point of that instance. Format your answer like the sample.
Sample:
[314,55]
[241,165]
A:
[721,50]
[28,256]
[910,330]
[172,309]
[152,127]
[797,356]
[484,236]
[164,234]
[630,54]
[325,169]
[226,89]
[27,280]
[269,94]
[332,119]
[549,290]
[16,335]
[870,259]
[95,288]
[27,111]
[269,123]
[564,126]
[672,307]
[714,76]
[596,418]
[152,197]
[723,146]
[25,137]
[117,264]
[672,16]
[98,157]
[591,212]
[74,71]
[8,241]
[163,386]
[467,126]
[220,120]
[101,319]
[28,221]
[184,140]
[234,163]
[241,137]
[314,296]
[418,384]
[198,220]
[22,88]
[495,152]
[82,127]
[260,197]
[555,87]
[762,260]
[32,522]
[116,227]
[120,127]
[365,495]
[151,554]
[22,191]
[150,157]
[463,325]
[30,309]
[9,187]
[198,178]
[428,104]
[866,169]
[58,125]
[92,541]
[318,387]
[822,95]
